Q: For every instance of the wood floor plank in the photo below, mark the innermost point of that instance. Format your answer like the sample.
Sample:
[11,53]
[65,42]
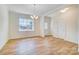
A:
[39,46]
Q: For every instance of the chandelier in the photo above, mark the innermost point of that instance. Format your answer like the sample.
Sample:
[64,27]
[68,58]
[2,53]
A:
[34,16]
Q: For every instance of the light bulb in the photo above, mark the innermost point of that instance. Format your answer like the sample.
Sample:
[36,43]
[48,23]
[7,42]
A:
[31,17]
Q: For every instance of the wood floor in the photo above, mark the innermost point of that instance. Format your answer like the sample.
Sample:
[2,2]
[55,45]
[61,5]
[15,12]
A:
[39,46]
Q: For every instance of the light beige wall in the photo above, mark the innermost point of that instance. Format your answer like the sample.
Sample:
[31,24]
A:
[14,27]
[48,21]
[3,25]
[78,28]
[64,24]
[43,31]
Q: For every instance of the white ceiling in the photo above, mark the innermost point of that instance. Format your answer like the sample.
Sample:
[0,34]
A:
[39,9]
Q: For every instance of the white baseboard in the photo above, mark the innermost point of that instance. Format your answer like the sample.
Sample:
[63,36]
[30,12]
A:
[3,44]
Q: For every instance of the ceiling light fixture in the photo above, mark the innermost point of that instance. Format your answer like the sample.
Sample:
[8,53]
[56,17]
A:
[34,16]
[64,10]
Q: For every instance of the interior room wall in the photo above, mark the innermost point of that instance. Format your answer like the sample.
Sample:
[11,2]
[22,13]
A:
[14,26]
[42,26]
[3,25]
[47,27]
[78,28]
[63,25]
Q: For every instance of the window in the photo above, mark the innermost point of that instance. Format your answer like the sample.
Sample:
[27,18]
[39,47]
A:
[26,24]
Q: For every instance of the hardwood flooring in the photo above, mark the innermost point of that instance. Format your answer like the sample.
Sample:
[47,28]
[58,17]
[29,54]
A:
[39,46]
